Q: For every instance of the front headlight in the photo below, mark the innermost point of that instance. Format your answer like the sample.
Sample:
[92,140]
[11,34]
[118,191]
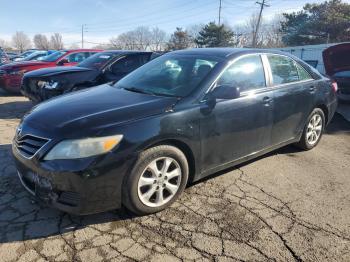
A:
[47,85]
[80,148]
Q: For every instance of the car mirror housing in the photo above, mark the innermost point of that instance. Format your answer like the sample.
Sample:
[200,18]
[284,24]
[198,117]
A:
[225,92]
[62,61]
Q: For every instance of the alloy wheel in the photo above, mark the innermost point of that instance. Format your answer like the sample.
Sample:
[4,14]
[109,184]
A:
[159,182]
[314,129]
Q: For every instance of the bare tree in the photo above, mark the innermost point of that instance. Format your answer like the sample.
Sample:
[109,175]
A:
[139,39]
[158,37]
[5,44]
[193,31]
[21,41]
[56,41]
[143,37]
[116,43]
[268,36]
[272,32]
[40,41]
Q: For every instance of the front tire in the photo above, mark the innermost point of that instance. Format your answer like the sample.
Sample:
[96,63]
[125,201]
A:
[313,130]
[158,178]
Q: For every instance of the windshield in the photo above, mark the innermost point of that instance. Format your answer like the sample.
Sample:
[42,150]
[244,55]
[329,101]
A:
[169,75]
[53,57]
[98,60]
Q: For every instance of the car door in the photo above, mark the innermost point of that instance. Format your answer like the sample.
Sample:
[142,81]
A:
[238,127]
[123,66]
[293,97]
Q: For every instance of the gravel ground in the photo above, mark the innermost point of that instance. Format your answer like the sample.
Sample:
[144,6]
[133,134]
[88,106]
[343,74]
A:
[286,206]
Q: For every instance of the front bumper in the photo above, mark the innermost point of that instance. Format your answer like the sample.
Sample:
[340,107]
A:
[30,90]
[78,187]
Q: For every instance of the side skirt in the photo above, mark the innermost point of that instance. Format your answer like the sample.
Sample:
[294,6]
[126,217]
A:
[244,159]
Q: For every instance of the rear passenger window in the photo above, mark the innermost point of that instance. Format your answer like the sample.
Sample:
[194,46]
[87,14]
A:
[247,74]
[283,69]
[303,74]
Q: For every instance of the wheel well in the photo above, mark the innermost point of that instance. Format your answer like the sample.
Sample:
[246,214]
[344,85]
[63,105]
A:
[325,111]
[187,152]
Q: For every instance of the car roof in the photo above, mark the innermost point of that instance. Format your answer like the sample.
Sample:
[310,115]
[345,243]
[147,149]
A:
[81,50]
[225,52]
[126,52]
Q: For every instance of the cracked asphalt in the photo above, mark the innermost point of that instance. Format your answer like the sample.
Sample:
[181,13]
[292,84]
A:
[289,205]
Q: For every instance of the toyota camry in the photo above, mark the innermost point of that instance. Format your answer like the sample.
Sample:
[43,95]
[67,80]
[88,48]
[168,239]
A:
[175,120]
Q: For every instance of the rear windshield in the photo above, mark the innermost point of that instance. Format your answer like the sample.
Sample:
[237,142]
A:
[97,61]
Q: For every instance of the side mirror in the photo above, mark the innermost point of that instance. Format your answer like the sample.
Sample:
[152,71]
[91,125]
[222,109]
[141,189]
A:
[62,62]
[226,92]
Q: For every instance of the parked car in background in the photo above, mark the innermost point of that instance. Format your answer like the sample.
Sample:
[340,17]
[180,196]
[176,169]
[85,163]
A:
[98,69]
[37,55]
[11,74]
[178,118]
[20,57]
[337,65]
[11,55]
[3,57]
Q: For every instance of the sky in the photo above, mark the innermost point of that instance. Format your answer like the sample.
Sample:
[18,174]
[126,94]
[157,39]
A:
[103,19]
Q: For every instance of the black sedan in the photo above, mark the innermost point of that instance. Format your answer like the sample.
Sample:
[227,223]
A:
[108,66]
[175,120]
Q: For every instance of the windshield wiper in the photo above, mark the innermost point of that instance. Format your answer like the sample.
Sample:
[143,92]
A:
[148,92]
[136,90]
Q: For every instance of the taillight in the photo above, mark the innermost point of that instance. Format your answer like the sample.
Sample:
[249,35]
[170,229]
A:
[334,86]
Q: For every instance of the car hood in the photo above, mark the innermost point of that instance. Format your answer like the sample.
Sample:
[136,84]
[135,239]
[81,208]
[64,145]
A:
[336,58]
[23,64]
[52,71]
[95,109]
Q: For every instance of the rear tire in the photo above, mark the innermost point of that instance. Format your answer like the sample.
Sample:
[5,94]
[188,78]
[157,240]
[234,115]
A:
[156,181]
[313,130]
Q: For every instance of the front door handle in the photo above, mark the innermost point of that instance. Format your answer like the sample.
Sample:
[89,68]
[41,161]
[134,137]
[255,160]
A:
[312,89]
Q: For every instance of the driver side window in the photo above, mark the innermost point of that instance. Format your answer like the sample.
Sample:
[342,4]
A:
[247,74]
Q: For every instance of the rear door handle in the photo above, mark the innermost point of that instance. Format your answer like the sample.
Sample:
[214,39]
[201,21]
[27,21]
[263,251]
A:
[267,100]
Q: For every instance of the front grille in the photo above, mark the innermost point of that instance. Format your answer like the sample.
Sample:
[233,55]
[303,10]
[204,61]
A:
[33,86]
[29,145]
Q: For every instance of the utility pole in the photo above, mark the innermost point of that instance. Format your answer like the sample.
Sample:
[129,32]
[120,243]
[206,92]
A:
[82,35]
[220,12]
[262,5]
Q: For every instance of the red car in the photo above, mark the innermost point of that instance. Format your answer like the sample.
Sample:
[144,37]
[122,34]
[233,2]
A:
[337,64]
[11,74]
